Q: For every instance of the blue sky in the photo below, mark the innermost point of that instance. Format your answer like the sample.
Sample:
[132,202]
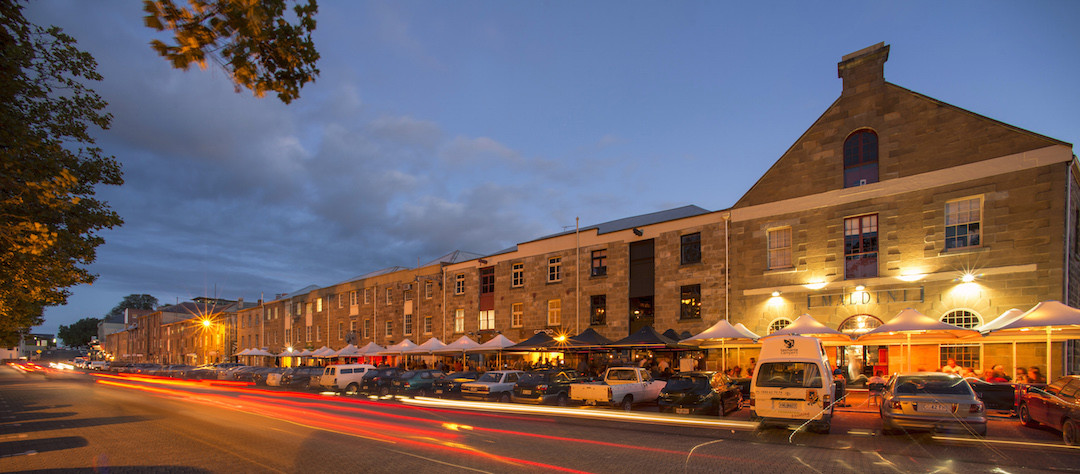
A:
[475,125]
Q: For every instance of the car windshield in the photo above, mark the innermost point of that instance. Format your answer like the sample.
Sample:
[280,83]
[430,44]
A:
[788,374]
[408,375]
[687,382]
[932,385]
[462,375]
[489,377]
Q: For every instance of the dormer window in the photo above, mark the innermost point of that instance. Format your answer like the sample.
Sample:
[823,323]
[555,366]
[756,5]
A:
[860,159]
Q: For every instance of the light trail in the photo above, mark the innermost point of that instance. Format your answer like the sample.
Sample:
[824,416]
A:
[1004,442]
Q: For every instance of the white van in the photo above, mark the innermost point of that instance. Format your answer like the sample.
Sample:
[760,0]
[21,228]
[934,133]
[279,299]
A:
[793,384]
[344,377]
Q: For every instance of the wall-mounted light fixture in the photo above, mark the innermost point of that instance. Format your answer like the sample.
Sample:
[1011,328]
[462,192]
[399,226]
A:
[776,293]
[638,232]
[482,261]
[968,278]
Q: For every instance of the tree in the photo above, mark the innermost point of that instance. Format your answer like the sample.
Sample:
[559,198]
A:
[250,39]
[132,302]
[49,170]
[80,333]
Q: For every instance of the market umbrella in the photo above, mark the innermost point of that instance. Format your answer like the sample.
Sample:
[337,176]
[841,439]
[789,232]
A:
[462,344]
[323,352]
[671,334]
[908,323]
[428,347]
[588,338]
[244,352]
[261,353]
[497,344]
[538,342]
[718,335]
[349,350]
[399,349]
[1050,316]
[371,349]
[646,337]
[746,331]
[806,325]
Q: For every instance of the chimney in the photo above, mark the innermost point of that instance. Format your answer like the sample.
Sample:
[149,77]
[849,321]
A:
[863,69]
[240,303]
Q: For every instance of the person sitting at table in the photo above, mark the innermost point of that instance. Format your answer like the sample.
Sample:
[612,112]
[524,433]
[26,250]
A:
[997,376]
[1035,375]
[1021,376]
[950,367]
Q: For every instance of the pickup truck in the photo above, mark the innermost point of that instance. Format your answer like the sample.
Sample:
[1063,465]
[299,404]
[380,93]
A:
[622,386]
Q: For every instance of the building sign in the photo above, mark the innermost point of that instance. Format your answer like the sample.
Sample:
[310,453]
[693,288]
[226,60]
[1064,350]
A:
[895,295]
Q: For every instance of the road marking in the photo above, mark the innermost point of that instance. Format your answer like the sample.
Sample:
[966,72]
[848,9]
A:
[437,461]
[862,432]
[27,453]
[1004,442]
[23,435]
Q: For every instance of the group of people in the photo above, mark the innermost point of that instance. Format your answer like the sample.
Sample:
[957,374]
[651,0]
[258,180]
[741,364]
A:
[997,374]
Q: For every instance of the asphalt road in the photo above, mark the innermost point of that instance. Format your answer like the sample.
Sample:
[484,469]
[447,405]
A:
[101,424]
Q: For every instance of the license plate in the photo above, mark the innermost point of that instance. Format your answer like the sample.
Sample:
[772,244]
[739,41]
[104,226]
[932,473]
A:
[935,407]
[438,391]
[526,392]
[787,405]
[682,411]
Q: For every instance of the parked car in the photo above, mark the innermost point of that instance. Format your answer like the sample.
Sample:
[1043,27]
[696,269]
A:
[300,377]
[378,381]
[449,386]
[691,393]
[492,385]
[931,401]
[622,386]
[344,377]
[996,396]
[548,386]
[1057,405]
[792,384]
[98,365]
[415,383]
[273,378]
[252,374]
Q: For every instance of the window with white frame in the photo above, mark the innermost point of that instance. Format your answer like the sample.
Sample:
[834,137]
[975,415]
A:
[406,323]
[554,312]
[318,333]
[341,330]
[778,324]
[459,321]
[318,305]
[517,313]
[962,223]
[308,334]
[487,319]
[352,298]
[427,324]
[367,295]
[367,328]
[780,248]
[517,275]
[459,284]
[964,318]
[340,300]
[428,292]
[966,355]
[352,326]
[554,269]
[389,297]
[389,328]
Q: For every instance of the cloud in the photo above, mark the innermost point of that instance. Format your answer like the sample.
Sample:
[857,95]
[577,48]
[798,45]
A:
[463,151]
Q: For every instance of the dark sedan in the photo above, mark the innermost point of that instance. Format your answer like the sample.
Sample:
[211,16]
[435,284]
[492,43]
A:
[300,377]
[415,383]
[551,386]
[378,381]
[449,386]
[1057,405]
[711,393]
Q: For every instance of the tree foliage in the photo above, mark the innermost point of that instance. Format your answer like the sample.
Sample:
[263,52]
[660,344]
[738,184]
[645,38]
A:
[132,301]
[49,168]
[80,333]
[250,39]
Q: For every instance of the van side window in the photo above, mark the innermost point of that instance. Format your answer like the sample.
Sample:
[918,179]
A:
[330,371]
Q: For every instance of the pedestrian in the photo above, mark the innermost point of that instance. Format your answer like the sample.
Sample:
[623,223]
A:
[950,367]
[997,376]
[1035,375]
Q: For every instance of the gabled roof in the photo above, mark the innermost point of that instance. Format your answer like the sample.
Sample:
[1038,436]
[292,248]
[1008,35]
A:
[637,221]
[456,256]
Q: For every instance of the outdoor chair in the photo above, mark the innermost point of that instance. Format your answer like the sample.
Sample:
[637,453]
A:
[875,392]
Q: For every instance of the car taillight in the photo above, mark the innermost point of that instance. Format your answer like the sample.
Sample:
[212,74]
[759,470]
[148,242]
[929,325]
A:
[826,399]
[542,387]
[975,408]
[406,384]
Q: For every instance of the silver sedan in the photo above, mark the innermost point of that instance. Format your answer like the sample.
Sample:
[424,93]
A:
[931,401]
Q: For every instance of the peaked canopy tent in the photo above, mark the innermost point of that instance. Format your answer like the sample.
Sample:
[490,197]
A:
[1056,320]
[908,323]
[806,325]
[428,347]
[647,338]
[349,350]
[463,344]
[399,349]
[323,352]
[538,342]
[588,339]
[718,335]
[497,344]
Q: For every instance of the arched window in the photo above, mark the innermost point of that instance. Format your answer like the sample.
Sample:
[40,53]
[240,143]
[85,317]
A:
[964,318]
[861,159]
[778,324]
[859,324]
